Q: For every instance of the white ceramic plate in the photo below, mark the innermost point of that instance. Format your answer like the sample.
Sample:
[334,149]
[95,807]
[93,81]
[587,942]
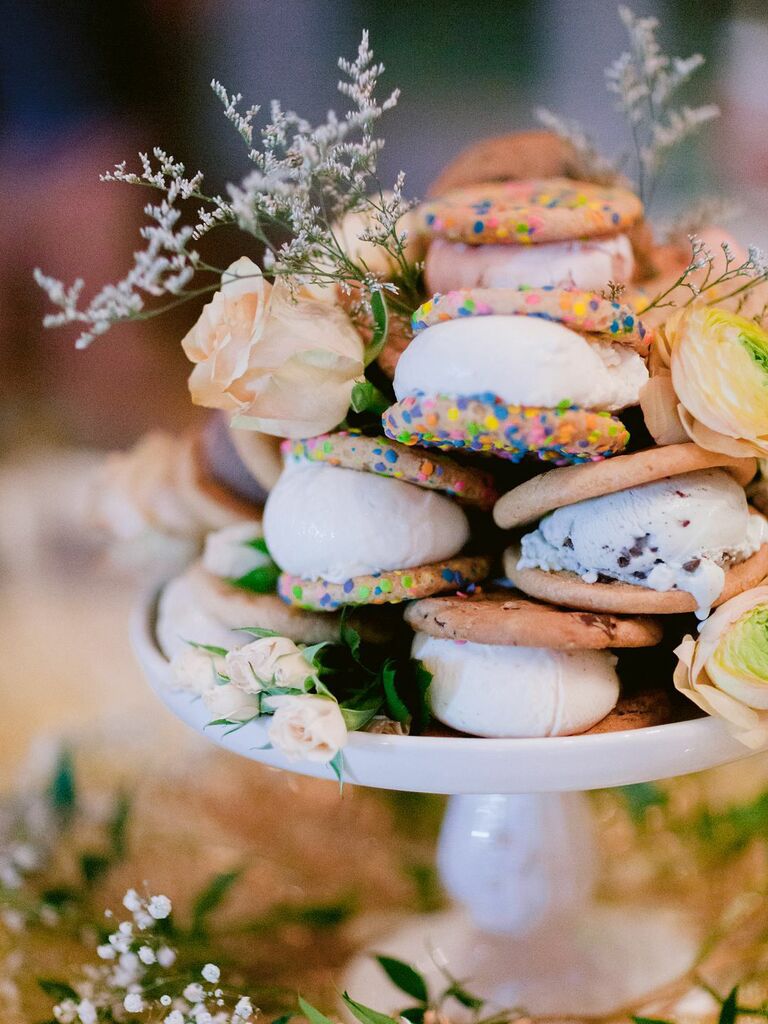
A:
[431,764]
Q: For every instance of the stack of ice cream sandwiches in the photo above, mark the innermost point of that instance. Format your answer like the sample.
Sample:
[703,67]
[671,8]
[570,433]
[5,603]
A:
[541,555]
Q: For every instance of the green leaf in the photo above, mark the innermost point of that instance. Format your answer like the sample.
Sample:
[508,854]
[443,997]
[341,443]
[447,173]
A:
[311,652]
[337,766]
[312,1014]
[364,1013]
[261,580]
[460,994]
[397,709]
[258,544]
[93,866]
[640,797]
[356,718]
[650,1020]
[366,397]
[62,791]
[380,327]
[406,978]
[422,680]
[350,637]
[729,1010]
[58,990]
[414,1014]
[58,896]
[217,652]
[256,631]
[211,897]
[284,1019]
[118,826]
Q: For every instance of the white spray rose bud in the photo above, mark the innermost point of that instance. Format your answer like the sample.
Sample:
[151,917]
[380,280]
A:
[307,727]
[230,702]
[195,670]
[272,659]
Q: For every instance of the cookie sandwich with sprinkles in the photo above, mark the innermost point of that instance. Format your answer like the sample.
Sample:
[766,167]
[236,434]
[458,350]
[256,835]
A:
[520,371]
[509,234]
[357,520]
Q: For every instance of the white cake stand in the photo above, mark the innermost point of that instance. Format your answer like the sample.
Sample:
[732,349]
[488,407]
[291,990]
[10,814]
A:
[516,852]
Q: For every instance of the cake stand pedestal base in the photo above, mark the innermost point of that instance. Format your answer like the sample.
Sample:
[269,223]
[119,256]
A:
[530,934]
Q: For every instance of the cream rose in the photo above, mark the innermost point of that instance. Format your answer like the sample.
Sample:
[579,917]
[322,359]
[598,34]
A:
[195,670]
[307,728]
[270,660]
[232,703]
[725,670]
[282,363]
[709,382]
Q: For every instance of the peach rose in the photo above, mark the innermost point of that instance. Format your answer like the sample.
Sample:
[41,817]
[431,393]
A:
[282,363]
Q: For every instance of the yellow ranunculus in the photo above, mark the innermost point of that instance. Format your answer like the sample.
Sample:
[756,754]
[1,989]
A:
[725,670]
[709,382]
[283,363]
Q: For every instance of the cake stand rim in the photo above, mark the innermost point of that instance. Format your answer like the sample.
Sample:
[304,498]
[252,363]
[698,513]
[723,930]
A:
[692,735]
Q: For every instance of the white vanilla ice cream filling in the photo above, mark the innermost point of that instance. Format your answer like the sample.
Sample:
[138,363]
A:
[677,533]
[230,554]
[500,691]
[525,360]
[325,522]
[589,264]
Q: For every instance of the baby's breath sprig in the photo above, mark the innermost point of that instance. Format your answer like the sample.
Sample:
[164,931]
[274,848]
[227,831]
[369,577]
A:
[644,81]
[305,179]
[714,281]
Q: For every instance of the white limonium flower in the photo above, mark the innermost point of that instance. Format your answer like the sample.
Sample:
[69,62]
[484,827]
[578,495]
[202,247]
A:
[133,1002]
[268,660]
[307,727]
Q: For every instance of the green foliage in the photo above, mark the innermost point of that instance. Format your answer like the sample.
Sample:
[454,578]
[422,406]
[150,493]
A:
[57,990]
[380,327]
[62,791]
[261,580]
[365,1014]
[642,796]
[406,978]
[210,898]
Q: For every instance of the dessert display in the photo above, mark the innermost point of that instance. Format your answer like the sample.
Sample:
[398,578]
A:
[475,464]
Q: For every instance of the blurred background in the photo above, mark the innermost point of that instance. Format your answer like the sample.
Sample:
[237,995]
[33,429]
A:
[86,84]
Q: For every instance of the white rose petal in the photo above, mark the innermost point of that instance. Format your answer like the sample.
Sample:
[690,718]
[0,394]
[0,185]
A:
[307,727]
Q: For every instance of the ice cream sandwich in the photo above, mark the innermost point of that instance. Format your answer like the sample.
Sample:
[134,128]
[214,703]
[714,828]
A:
[515,372]
[667,530]
[361,520]
[505,666]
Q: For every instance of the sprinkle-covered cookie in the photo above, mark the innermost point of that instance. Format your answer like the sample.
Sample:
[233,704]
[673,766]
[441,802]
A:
[385,587]
[529,212]
[508,619]
[380,455]
[485,423]
[582,311]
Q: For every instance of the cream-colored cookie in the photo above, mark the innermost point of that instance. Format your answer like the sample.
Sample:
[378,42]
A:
[506,618]
[567,588]
[569,484]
